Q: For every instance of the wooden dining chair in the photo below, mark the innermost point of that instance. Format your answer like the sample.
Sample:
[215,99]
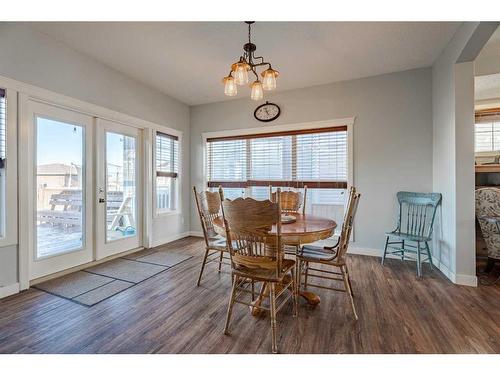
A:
[291,201]
[333,259]
[209,208]
[257,255]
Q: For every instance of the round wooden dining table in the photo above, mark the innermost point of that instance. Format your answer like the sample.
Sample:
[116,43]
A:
[305,229]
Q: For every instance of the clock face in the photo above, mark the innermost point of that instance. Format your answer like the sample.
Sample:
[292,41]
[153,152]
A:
[267,112]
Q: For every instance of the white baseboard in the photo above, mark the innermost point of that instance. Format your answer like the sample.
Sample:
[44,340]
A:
[195,233]
[164,241]
[9,290]
[467,280]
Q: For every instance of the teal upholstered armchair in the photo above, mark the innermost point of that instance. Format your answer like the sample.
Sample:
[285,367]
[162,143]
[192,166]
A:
[414,227]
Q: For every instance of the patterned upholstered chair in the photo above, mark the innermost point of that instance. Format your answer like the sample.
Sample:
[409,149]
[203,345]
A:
[488,215]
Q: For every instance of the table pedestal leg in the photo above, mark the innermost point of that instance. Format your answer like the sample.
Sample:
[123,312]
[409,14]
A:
[311,298]
[264,292]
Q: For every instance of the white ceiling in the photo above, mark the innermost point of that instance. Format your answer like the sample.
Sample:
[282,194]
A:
[492,47]
[487,87]
[187,60]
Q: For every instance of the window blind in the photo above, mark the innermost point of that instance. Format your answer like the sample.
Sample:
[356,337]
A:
[3,129]
[167,155]
[487,130]
[314,157]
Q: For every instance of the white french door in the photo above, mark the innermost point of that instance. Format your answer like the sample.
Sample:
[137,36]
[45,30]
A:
[119,188]
[58,156]
[82,179]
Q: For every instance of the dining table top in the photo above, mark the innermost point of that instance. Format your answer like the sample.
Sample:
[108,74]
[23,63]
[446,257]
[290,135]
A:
[305,229]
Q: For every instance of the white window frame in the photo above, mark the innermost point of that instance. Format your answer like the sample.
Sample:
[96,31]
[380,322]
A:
[9,236]
[349,122]
[178,206]
[490,153]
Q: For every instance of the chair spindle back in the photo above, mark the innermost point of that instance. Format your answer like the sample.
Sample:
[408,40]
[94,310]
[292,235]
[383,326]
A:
[248,224]
[209,208]
[350,213]
[417,212]
[291,201]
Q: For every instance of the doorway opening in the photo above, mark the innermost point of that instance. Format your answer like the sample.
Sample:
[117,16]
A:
[487,161]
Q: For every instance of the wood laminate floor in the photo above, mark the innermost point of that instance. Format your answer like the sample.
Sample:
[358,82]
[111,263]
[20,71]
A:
[169,314]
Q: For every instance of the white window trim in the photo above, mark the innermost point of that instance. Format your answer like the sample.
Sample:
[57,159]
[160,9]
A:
[9,237]
[21,215]
[178,202]
[348,121]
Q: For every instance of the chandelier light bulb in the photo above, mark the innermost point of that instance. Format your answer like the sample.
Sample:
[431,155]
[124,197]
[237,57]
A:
[241,73]
[269,79]
[257,92]
[229,86]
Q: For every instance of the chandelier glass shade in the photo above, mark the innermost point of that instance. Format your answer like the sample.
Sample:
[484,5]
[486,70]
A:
[230,88]
[257,92]
[246,68]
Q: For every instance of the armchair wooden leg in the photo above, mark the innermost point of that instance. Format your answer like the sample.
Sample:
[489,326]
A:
[489,265]
[347,284]
[202,266]
[272,299]
[385,250]
[230,306]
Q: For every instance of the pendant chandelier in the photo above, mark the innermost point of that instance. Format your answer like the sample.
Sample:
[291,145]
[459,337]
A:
[248,63]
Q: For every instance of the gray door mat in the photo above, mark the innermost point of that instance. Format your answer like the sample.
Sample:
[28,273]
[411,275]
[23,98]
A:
[98,283]
[74,284]
[127,270]
[100,294]
[164,258]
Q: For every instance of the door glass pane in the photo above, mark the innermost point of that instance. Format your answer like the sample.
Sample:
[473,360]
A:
[120,186]
[59,185]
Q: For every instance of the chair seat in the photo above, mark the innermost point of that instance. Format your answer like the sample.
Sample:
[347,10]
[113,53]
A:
[406,236]
[217,242]
[265,274]
[317,253]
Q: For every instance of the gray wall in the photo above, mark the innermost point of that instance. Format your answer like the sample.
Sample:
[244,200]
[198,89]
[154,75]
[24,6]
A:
[34,58]
[392,137]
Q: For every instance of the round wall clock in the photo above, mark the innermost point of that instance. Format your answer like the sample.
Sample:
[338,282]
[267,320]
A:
[267,112]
